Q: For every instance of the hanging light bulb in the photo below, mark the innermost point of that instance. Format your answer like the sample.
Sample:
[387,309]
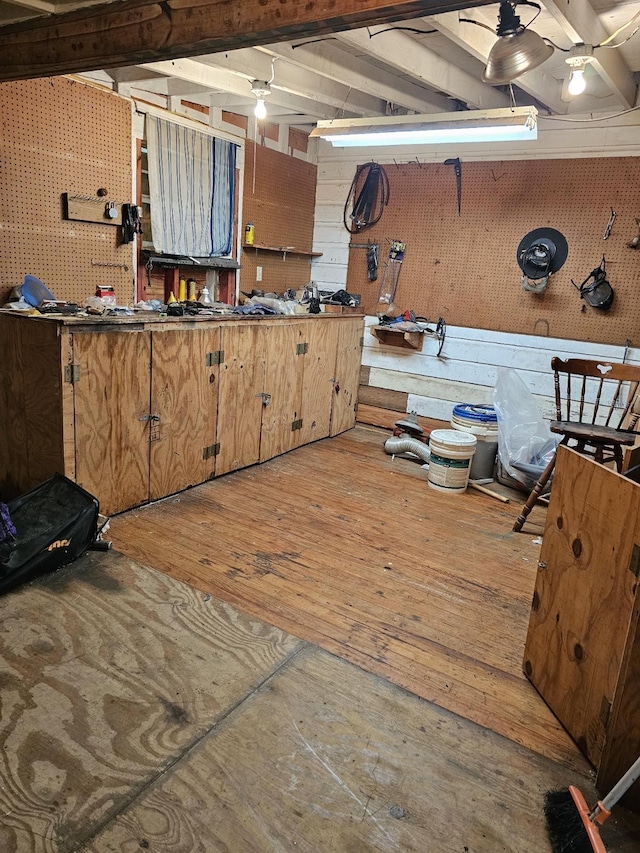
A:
[260,88]
[577,83]
[580,56]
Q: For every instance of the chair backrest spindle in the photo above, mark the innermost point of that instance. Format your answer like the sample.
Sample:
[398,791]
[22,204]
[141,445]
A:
[607,389]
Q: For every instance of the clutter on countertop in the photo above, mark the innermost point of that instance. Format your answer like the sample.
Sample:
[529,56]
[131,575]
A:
[34,297]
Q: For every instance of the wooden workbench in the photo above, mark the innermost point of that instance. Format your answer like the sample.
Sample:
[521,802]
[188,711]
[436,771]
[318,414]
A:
[137,408]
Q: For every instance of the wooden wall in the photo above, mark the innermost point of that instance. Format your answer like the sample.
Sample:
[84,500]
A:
[63,136]
[280,202]
[417,380]
[464,268]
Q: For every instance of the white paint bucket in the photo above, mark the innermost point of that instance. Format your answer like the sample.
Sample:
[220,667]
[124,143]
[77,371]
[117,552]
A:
[481,421]
[450,461]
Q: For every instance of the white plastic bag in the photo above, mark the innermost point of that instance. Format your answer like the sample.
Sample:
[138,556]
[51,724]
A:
[523,434]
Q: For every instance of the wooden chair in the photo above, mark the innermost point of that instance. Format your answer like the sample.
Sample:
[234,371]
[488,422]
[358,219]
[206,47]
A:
[601,417]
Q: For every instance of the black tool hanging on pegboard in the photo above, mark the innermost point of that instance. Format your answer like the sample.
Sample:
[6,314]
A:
[367,205]
[598,293]
[372,261]
[390,277]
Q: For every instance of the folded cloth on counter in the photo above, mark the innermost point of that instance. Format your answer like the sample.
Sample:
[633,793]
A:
[254,309]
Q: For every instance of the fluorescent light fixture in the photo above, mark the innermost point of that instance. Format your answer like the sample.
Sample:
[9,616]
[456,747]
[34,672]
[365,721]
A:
[504,125]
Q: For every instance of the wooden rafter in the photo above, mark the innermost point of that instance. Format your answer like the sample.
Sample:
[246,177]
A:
[145,30]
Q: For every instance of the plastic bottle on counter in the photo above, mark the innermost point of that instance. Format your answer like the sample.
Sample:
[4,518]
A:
[182,290]
[205,299]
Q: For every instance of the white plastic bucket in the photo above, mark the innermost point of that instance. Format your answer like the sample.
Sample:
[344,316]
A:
[450,460]
[482,422]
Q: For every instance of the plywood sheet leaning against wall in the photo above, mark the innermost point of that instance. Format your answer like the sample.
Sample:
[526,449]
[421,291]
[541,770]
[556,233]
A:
[582,636]
[463,267]
[62,136]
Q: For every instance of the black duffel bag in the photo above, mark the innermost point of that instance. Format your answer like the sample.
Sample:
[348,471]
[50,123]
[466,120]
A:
[55,523]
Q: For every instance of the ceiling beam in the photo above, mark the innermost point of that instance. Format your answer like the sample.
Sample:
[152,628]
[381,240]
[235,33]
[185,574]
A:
[35,5]
[579,21]
[478,43]
[134,31]
[330,61]
[220,80]
[409,56]
[252,64]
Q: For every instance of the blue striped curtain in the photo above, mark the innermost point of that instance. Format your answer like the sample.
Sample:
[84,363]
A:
[192,189]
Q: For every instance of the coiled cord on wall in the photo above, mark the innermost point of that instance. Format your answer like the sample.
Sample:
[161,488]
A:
[369,204]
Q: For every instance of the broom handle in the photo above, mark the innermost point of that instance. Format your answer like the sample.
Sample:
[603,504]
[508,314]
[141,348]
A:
[622,786]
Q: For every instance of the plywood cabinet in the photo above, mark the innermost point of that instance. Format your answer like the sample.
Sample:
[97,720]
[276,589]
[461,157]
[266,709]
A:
[583,643]
[110,403]
[135,410]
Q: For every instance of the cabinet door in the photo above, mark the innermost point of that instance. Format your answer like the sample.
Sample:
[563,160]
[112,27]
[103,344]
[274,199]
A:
[283,383]
[345,389]
[318,379]
[241,383]
[184,396]
[111,402]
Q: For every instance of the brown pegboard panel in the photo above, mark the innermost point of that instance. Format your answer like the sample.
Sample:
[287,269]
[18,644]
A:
[279,272]
[60,135]
[464,268]
[281,201]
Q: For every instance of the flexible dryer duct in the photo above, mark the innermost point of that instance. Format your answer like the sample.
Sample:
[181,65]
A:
[405,444]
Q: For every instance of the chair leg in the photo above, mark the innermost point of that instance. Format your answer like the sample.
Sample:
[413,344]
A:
[617,455]
[535,494]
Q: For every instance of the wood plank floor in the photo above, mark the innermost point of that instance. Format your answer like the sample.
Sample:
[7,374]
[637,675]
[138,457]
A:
[137,713]
[342,546]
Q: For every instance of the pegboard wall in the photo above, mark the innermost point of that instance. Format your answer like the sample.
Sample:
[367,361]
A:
[281,206]
[463,267]
[62,136]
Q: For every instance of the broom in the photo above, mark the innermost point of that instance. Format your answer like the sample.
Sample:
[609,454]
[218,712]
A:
[575,828]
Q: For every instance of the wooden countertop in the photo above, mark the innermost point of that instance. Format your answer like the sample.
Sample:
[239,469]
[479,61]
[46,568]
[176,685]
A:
[145,319]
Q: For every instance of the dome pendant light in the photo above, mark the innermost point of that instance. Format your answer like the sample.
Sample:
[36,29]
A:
[517,50]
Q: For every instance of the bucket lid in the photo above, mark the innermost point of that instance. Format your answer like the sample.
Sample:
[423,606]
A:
[453,437]
[478,413]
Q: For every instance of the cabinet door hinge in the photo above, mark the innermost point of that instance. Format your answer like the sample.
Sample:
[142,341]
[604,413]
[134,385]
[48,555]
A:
[214,358]
[302,349]
[72,372]
[634,564]
[362,342]
[211,450]
[296,425]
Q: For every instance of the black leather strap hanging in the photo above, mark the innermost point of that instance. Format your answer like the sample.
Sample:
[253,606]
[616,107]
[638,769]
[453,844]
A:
[368,205]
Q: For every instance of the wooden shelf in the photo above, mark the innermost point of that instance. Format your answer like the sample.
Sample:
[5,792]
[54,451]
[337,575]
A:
[175,261]
[397,337]
[285,250]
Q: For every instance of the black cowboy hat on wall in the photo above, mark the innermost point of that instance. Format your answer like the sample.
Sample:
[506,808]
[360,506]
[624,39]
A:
[541,253]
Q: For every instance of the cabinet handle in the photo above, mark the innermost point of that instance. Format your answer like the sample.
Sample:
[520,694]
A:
[152,418]
[266,398]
